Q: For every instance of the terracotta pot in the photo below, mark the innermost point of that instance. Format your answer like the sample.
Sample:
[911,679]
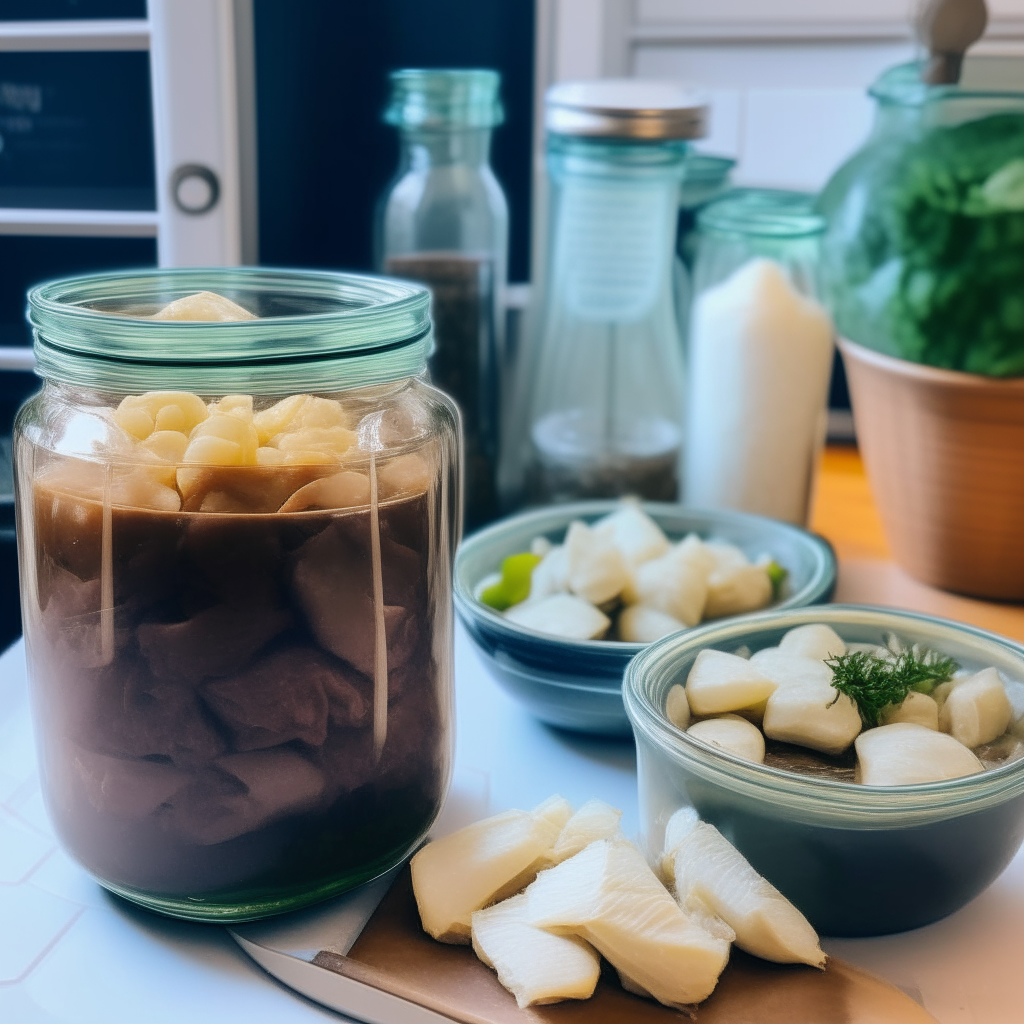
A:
[944,453]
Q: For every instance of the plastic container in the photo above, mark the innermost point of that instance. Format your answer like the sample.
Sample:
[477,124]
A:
[599,401]
[444,223]
[236,587]
[857,860]
[577,684]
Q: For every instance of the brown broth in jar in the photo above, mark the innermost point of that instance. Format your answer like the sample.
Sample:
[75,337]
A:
[216,723]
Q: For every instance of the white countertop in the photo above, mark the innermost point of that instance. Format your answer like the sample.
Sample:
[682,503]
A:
[71,953]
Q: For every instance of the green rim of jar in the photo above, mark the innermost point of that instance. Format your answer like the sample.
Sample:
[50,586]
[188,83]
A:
[763,212]
[443,99]
[322,331]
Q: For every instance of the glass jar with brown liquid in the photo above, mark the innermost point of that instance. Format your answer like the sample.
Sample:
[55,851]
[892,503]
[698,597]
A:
[237,510]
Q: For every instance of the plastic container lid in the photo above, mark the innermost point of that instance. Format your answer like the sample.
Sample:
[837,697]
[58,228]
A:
[625,108]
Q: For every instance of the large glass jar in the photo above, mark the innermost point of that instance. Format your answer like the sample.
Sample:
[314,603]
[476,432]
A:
[236,536]
[444,222]
[599,404]
[924,252]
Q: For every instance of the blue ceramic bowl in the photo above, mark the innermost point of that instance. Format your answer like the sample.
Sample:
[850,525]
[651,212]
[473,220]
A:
[577,684]
[857,860]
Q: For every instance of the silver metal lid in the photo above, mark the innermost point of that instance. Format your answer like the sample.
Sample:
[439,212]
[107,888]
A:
[625,108]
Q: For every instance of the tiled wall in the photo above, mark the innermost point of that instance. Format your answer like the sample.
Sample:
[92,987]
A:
[789,113]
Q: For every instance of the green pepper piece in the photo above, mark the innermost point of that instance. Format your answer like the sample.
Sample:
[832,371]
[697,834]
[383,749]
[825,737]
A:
[514,585]
[777,574]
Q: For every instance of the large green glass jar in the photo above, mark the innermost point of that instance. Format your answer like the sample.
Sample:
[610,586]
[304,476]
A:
[924,252]
[236,533]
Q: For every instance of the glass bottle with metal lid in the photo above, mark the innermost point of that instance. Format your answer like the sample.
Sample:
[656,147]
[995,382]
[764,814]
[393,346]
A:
[599,403]
[444,223]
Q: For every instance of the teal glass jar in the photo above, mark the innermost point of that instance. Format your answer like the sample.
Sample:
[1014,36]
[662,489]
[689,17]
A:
[599,394]
[444,223]
[236,534]
[924,252]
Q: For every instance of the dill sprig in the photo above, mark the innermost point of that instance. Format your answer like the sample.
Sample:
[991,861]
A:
[874,681]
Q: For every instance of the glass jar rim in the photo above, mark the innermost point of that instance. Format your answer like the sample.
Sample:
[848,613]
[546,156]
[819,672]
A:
[357,330]
[901,85]
[443,99]
[809,797]
[762,212]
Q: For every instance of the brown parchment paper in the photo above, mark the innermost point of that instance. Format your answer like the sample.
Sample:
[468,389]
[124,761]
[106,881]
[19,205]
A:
[394,954]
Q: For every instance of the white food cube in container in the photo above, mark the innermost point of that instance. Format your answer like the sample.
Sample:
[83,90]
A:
[551,574]
[639,624]
[812,714]
[637,536]
[904,754]
[735,590]
[815,640]
[977,710]
[564,615]
[731,733]
[597,570]
[676,583]
[917,708]
[719,682]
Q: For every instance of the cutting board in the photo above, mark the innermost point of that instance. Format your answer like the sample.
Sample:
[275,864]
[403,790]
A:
[393,955]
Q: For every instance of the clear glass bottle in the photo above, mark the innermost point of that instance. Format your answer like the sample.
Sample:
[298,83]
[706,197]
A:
[924,252]
[444,223]
[236,543]
[599,403]
[760,355]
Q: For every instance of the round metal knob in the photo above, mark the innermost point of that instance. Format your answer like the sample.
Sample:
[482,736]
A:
[195,189]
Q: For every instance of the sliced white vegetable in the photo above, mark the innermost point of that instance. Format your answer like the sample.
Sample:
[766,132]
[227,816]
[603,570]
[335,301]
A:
[766,924]
[977,710]
[550,575]
[809,714]
[736,590]
[784,668]
[677,707]
[639,624]
[637,536]
[731,733]
[556,809]
[679,826]
[534,965]
[723,682]
[815,640]
[905,754]
[593,821]
[676,583]
[564,615]
[476,866]
[917,708]
[609,896]
[597,570]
